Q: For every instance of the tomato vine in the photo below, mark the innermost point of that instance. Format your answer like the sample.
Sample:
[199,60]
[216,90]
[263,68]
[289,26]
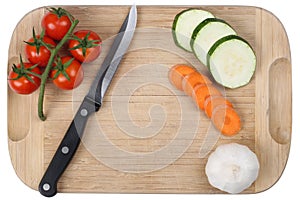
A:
[54,52]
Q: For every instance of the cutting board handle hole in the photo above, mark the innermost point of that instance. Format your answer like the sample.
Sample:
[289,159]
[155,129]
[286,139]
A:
[16,129]
[280,100]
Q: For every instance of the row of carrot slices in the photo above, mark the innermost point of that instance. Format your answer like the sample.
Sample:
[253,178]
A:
[207,97]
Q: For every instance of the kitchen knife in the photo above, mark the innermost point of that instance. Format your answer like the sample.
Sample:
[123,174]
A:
[91,104]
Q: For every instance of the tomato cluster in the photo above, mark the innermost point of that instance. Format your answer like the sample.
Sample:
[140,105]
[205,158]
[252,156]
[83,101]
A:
[66,72]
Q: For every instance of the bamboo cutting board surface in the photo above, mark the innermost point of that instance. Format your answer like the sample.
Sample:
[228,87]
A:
[148,137]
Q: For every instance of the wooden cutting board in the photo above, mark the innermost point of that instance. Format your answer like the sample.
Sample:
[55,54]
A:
[148,137]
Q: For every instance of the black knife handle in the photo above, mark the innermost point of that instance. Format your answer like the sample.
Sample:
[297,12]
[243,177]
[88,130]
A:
[67,148]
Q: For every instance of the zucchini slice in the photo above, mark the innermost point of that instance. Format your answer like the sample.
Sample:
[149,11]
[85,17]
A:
[184,24]
[231,61]
[206,34]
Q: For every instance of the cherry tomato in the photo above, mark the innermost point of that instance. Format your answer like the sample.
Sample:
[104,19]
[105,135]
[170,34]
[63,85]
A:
[85,46]
[56,23]
[36,53]
[26,83]
[67,68]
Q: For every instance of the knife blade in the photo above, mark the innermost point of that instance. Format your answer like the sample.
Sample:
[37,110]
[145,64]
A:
[91,104]
[112,60]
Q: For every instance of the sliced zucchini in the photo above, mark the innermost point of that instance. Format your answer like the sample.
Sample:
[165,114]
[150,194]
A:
[184,24]
[231,61]
[206,34]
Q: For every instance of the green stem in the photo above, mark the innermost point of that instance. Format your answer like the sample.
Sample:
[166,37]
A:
[48,69]
[34,74]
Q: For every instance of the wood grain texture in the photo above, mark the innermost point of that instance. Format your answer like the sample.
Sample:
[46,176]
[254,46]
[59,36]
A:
[143,114]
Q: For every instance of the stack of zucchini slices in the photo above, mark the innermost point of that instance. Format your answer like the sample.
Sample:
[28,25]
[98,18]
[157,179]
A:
[229,58]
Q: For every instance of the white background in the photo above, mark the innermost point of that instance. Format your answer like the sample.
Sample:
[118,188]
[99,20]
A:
[287,11]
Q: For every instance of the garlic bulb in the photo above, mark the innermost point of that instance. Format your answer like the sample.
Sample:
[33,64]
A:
[232,168]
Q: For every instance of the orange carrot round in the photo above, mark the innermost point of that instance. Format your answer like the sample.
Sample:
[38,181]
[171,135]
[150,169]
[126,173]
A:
[213,102]
[226,120]
[178,72]
[201,92]
[192,80]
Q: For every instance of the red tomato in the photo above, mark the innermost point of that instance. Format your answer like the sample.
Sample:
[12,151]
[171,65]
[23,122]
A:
[86,48]
[73,71]
[56,23]
[42,56]
[23,85]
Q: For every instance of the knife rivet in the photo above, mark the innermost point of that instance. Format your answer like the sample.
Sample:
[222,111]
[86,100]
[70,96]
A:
[83,112]
[65,150]
[46,187]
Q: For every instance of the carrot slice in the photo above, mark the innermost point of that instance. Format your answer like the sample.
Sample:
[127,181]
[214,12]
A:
[201,92]
[178,72]
[192,80]
[213,102]
[226,120]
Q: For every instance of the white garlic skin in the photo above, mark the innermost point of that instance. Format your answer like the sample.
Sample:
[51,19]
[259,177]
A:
[232,168]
